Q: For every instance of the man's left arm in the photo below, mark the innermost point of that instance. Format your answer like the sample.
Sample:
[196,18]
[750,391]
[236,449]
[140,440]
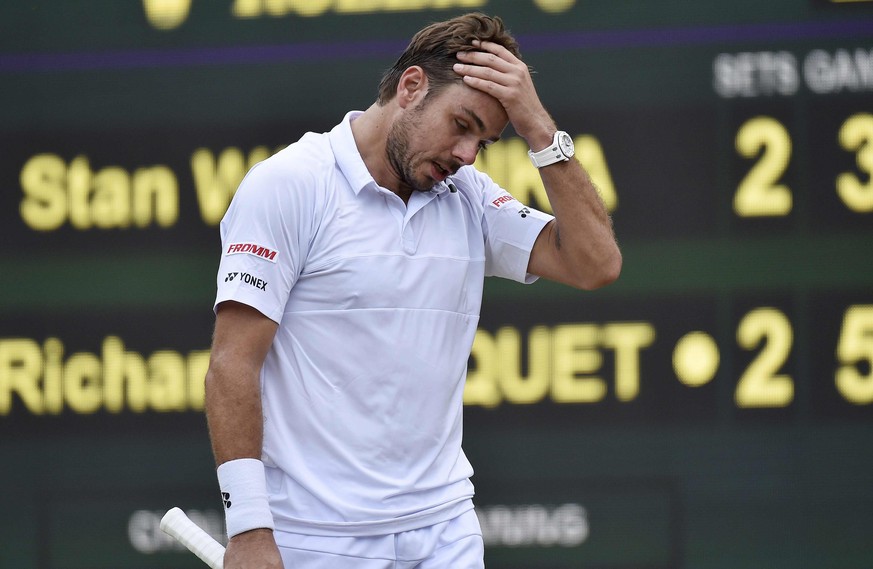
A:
[578,247]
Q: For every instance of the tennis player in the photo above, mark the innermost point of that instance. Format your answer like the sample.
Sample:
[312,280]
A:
[349,291]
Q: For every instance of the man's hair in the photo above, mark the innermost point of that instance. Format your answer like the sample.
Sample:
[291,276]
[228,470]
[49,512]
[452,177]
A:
[434,49]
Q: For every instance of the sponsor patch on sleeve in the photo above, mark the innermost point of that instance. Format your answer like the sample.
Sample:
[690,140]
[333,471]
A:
[501,200]
[252,249]
[248,279]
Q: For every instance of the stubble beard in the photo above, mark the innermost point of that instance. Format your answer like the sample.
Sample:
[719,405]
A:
[400,157]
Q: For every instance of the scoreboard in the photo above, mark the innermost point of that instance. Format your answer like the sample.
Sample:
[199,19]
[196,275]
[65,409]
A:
[711,409]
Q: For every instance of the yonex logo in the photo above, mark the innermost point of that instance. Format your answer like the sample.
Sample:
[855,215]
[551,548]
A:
[225,497]
[252,249]
[247,279]
[523,212]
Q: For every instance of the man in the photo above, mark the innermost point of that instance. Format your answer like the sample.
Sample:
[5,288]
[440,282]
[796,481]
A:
[348,298]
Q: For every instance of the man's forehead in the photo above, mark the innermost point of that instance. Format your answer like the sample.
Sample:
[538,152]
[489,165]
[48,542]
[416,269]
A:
[484,112]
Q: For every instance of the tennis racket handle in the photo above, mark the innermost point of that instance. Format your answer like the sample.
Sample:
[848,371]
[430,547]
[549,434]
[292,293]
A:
[176,524]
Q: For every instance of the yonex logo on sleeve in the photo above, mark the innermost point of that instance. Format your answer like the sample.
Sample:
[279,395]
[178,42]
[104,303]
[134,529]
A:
[502,200]
[247,279]
[252,249]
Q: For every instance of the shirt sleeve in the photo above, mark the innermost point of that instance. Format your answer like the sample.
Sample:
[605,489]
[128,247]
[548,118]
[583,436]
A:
[264,240]
[510,229]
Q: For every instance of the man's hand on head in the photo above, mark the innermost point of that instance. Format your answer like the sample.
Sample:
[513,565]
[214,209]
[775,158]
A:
[494,70]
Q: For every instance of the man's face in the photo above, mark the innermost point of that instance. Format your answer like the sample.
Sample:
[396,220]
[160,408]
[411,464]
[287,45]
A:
[434,138]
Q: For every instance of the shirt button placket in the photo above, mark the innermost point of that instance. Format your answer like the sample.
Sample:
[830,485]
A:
[407,237]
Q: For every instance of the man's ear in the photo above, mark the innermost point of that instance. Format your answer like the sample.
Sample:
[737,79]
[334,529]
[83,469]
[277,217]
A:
[412,86]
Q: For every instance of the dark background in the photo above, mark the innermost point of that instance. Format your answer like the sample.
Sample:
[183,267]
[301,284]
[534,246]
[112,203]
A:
[590,448]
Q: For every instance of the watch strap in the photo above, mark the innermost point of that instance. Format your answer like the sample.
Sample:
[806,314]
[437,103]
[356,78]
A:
[550,154]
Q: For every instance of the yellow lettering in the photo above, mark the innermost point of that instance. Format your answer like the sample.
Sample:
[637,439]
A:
[246,8]
[116,380]
[109,198]
[53,386]
[575,358]
[44,207]
[562,363]
[627,339]
[517,388]
[124,378]
[216,180]
[405,5]
[78,190]
[277,7]
[554,6]
[198,363]
[82,385]
[167,381]
[166,14]
[20,369]
[155,197]
[357,6]
[110,204]
[311,8]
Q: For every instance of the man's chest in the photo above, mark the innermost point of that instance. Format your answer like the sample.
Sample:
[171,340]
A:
[370,253]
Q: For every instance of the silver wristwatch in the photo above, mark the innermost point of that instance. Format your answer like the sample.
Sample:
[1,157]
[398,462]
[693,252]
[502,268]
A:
[560,150]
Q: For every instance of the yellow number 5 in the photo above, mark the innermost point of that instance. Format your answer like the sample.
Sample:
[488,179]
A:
[856,346]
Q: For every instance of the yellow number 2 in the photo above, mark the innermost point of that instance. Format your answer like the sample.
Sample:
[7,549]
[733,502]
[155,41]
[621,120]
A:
[761,385]
[759,193]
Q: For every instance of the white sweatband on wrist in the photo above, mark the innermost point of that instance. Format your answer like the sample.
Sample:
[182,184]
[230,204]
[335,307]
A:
[244,493]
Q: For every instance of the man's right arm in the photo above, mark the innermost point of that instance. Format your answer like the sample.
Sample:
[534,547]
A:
[234,413]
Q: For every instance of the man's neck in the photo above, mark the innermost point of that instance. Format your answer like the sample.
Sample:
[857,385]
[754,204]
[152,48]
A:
[370,131]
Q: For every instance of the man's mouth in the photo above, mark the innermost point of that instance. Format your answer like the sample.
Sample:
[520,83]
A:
[440,173]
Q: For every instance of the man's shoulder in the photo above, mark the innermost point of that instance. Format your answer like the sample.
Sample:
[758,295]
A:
[475,185]
[305,161]
[309,151]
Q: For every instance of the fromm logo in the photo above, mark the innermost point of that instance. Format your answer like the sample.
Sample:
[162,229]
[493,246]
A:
[252,249]
[500,200]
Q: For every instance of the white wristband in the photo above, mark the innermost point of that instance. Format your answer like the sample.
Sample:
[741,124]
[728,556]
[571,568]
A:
[244,493]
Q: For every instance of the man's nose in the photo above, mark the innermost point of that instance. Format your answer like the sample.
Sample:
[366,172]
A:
[466,151]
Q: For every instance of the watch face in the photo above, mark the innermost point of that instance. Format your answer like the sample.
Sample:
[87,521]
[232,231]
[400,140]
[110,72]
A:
[566,144]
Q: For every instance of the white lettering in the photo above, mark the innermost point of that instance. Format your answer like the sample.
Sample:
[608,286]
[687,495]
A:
[756,74]
[534,525]
[826,72]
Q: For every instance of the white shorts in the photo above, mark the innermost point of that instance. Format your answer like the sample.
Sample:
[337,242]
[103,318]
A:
[455,544]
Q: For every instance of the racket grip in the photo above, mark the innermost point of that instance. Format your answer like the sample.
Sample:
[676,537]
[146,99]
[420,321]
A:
[179,526]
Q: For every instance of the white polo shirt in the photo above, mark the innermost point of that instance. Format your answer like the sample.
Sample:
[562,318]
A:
[377,303]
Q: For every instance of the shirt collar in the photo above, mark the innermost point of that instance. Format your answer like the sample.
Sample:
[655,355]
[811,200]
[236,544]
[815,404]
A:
[349,160]
[345,151]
